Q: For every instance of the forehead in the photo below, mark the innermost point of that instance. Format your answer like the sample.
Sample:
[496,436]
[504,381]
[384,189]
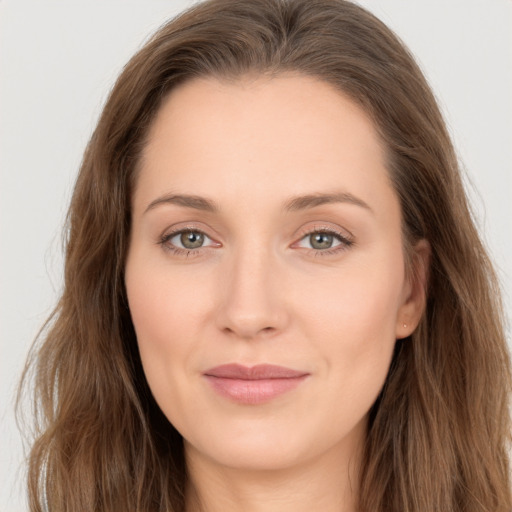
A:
[262,137]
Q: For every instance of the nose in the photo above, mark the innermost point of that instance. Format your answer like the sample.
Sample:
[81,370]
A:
[252,302]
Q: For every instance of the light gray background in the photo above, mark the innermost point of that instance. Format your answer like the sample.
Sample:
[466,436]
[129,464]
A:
[58,60]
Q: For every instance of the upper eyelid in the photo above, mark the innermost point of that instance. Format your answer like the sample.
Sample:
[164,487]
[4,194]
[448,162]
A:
[315,229]
[343,233]
[175,232]
[181,228]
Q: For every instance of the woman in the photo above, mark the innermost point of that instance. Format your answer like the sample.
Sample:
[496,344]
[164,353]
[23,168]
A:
[275,297]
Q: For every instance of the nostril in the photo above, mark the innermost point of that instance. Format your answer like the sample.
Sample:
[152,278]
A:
[249,332]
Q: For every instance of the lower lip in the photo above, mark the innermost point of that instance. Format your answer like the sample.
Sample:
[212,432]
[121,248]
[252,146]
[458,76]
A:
[253,392]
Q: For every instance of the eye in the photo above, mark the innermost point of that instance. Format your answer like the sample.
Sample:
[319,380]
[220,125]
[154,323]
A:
[187,239]
[323,240]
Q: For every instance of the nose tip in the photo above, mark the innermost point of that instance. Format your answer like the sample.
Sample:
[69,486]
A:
[249,315]
[252,305]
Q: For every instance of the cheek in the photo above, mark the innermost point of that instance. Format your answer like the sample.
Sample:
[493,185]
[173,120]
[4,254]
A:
[163,298]
[360,304]
[167,313]
[352,317]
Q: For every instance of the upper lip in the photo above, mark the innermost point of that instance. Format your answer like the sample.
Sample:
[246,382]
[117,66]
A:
[258,372]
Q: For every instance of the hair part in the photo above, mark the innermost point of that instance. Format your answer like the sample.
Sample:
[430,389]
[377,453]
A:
[439,434]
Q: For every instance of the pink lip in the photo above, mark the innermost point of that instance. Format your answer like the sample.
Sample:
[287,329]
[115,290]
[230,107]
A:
[253,385]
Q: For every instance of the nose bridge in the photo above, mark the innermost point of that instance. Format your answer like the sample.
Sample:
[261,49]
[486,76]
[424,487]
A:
[251,303]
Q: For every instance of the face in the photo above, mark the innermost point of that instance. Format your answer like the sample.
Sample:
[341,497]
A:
[265,274]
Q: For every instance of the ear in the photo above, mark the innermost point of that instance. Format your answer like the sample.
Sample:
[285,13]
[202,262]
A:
[415,291]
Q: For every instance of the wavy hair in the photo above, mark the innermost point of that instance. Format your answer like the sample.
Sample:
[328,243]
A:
[439,434]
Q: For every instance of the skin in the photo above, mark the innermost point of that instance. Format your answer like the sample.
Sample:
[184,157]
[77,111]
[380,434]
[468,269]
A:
[259,291]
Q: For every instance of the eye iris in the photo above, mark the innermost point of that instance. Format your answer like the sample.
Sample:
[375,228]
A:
[321,240]
[192,239]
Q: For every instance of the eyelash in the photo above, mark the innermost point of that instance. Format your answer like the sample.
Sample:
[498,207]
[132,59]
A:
[345,242]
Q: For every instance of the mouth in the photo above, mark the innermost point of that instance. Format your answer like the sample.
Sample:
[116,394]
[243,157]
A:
[253,385]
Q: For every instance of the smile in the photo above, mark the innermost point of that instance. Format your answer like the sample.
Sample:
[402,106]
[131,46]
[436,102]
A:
[253,385]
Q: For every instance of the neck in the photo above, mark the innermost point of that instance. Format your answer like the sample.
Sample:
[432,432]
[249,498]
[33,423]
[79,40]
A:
[328,483]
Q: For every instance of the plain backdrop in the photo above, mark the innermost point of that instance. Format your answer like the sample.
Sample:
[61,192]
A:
[58,60]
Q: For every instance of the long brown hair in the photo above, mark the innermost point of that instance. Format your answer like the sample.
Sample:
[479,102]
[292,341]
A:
[439,433]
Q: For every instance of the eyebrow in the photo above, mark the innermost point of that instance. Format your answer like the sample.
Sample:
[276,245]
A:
[188,201]
[312,200]
[292,205]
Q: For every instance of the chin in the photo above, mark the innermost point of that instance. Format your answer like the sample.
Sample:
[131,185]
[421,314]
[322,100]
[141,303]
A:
[266,445]
[256,455]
